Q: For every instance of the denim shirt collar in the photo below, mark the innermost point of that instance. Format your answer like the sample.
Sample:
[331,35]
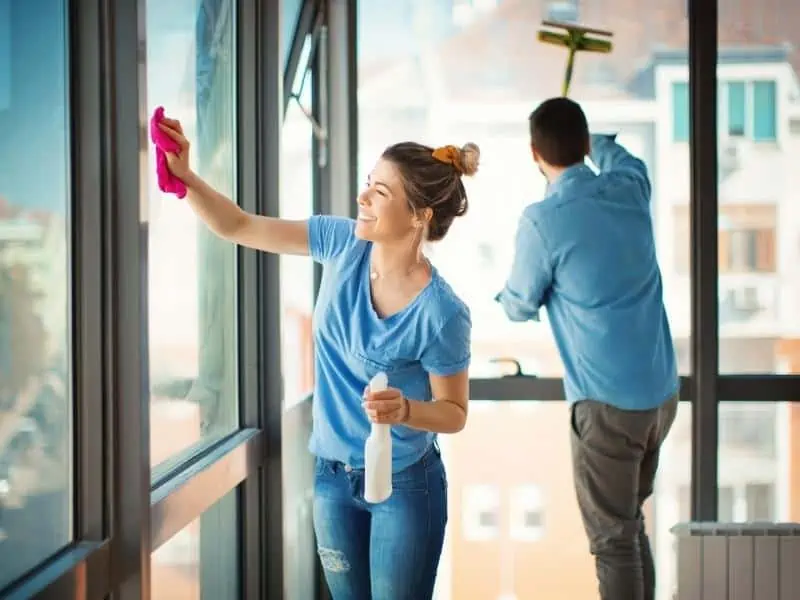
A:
[578,172]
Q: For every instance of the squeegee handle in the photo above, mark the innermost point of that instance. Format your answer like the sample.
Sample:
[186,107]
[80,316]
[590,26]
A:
[568,71]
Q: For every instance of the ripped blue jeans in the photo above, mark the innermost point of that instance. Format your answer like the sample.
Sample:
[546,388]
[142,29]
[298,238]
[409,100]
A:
[387,551]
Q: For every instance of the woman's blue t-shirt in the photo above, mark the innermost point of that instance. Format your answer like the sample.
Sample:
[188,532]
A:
[352,343]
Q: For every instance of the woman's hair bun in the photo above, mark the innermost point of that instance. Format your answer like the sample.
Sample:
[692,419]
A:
[470,158]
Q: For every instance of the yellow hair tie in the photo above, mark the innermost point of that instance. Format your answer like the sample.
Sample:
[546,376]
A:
[450,155]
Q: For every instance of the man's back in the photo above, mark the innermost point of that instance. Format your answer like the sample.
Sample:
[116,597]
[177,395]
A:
[604,297]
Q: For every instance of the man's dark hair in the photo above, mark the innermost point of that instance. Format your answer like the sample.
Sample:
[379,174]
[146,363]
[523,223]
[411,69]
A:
[559,132]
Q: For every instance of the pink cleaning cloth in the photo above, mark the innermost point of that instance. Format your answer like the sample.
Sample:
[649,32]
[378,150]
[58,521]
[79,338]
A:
[167,182]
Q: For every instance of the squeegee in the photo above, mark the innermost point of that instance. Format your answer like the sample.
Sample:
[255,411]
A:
[575,38]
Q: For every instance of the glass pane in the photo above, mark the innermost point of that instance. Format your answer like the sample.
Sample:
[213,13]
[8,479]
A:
[737,108]
[290,14]
[297,296]
[35,361]
[514,527]
[297,281]
[764,110]
[202,561]
[680,111]
[449,73]
[759,443]
[191,65]
[758,182]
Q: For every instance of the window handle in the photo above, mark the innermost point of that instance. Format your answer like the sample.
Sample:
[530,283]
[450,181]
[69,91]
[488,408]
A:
[508,360]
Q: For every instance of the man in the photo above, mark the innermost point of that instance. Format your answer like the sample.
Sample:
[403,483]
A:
[587,254]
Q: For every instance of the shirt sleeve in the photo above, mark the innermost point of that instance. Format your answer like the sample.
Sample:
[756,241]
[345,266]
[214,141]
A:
[450,352]
[531,275]
[328,236]
[612,158]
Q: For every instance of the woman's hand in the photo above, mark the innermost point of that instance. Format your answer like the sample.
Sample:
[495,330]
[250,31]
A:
[178,163]
[387,407]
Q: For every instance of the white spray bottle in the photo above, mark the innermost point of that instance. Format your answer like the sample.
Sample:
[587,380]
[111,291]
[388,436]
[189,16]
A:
[378,453]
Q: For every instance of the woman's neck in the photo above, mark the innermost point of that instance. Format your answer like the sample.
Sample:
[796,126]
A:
[395,259]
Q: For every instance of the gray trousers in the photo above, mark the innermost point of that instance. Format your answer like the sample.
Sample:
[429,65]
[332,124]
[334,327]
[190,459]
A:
[614,459]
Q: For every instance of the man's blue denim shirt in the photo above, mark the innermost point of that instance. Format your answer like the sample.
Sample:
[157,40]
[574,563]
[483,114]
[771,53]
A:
[587,254]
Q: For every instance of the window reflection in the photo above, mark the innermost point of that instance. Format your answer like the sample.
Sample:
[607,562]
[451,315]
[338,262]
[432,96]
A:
[35,458]
[191,64]
[35,399]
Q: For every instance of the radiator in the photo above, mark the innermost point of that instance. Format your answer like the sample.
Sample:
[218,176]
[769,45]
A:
[738,561]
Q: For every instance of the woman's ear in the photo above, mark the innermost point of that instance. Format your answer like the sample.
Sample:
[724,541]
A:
[427,215]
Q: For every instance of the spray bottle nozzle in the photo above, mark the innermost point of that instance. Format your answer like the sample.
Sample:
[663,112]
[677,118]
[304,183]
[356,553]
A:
[379,382]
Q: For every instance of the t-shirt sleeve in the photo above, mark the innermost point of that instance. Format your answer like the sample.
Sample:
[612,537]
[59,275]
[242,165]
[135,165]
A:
[450,353]
[328,236]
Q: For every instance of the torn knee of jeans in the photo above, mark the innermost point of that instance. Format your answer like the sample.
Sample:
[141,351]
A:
[332,560]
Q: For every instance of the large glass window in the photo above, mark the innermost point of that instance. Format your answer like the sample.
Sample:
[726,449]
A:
[202,560]
[191,66]
[35,362]
[448,73]
[759,216]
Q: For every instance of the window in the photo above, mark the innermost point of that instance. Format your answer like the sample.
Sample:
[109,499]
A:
[481,505]
[742,253]
[202,560]
[421,79]
[764,111]
[747,250]
[36,404]
[747,237]
[760,499]
[737,503]
[290,15]
[749,428]
[737,109]
[191,65]
[725,504]
[748,108]
[527,513]
[680,111]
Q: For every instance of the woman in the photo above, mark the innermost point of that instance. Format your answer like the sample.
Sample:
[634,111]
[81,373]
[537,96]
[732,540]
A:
[382,306]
